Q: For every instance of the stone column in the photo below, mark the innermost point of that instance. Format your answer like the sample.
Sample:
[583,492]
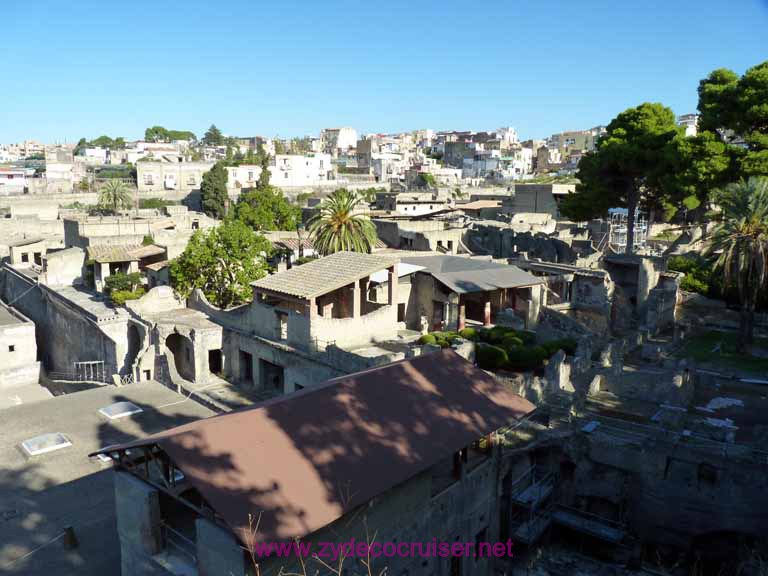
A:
[462,321]
[487,309]
[392,293]
[356,299]
[312,308]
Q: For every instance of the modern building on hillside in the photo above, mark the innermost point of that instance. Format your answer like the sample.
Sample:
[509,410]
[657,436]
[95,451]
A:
[386,451]
[335,140]
[285,170]
[152,176]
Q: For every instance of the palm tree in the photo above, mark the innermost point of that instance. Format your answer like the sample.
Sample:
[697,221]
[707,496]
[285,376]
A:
[740,245]
[336,227]
[114,195]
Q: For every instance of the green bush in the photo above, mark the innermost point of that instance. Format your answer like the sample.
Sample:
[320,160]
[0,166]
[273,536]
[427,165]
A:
[511,341]
[496,334]
[120,297]
[490,357]
[568,345]
[469,334]
[698,274]
[155,203]
[693,284]
[428,339]
[527,337]
[121,281]
[525,359]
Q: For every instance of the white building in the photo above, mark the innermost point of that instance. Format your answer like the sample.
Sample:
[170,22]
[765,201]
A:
[285,170]
[690,122]
[507,136]
[12,180]
[338,139]
[95,156]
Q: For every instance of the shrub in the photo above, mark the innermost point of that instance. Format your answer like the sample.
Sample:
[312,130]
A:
[469,334]
[525,359]
[428,339]
[120,297]
[121,281]
[490,357]
[693,284]
[527,337]
[511,341]
[568,345]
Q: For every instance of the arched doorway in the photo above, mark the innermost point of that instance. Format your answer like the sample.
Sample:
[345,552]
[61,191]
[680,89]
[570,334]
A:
[183,355]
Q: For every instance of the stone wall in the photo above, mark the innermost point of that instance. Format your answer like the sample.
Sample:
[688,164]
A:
[65,332]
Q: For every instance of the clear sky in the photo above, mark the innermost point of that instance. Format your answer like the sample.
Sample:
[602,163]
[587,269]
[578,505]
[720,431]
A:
[82,68]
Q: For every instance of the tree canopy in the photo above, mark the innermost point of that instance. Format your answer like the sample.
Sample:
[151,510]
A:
[266,208]
[161,134]
[114,196]
[213,191]
[213,137]
[627,168]
[222,262]
[736,109]
[100,142]
[740,246]
[337,227]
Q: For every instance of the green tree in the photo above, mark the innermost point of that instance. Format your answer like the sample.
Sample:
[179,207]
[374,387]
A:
[114,195]
[694,168]
[301,145]
[740,246]
[222,262]
[736,109]
[263,160]
[280,147]
[213,137]
[336,227]
[181,135]
[213,191]
[81,144]
[627,167]
[156,134]
[267,209]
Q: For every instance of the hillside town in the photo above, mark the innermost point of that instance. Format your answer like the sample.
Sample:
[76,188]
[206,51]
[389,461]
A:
[215,343]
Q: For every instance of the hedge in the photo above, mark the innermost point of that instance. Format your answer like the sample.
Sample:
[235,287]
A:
[490,357]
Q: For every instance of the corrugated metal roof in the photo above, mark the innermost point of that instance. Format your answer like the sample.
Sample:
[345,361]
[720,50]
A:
[301,461]
[325,274]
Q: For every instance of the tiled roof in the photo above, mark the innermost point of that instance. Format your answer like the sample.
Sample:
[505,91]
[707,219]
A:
[108,253]
[325,274]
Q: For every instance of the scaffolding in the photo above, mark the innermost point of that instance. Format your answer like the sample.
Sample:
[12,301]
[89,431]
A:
[617,230]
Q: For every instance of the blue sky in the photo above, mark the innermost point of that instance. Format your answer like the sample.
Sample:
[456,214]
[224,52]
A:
[289,67]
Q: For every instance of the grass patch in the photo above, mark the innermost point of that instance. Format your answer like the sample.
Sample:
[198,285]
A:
[720,349]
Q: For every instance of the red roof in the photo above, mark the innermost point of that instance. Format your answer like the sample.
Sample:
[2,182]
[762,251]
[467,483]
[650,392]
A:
[303,460]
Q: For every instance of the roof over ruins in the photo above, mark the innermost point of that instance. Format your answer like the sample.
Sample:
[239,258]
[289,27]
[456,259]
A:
[465,275]
[303,460]
[113,253]
[326,274]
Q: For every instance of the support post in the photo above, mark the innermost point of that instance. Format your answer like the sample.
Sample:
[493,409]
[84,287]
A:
[462,322]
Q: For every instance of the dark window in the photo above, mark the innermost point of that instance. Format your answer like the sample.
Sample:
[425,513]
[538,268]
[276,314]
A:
[401,312]
[25,257]
[12,348]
